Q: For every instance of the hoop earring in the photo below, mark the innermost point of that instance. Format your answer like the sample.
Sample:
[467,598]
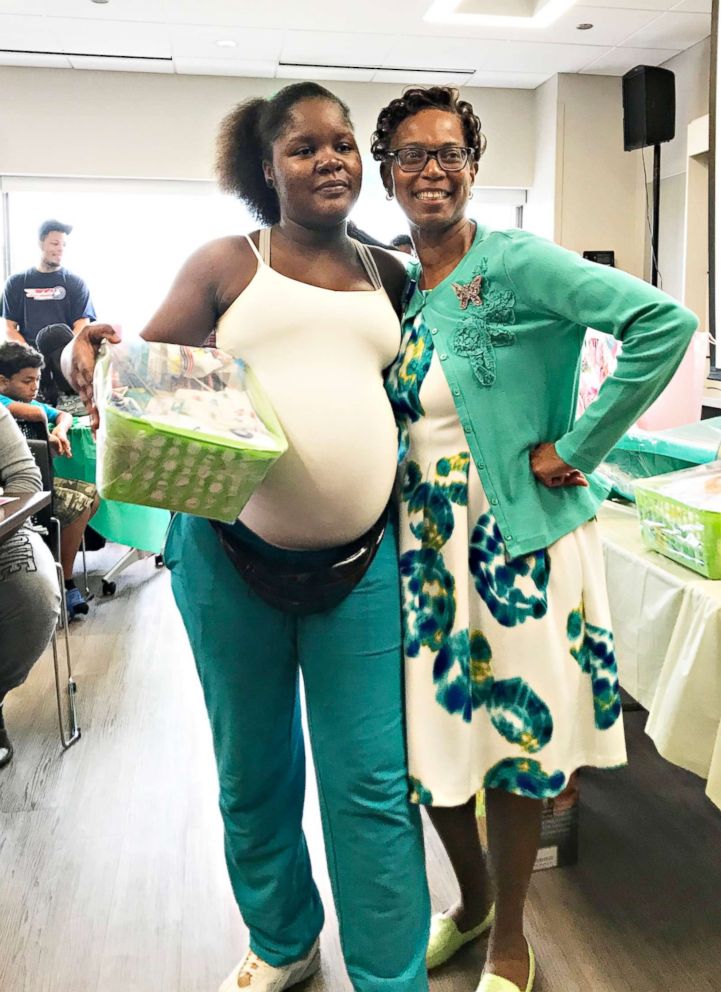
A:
[389,196]
[470,193]
[270,184]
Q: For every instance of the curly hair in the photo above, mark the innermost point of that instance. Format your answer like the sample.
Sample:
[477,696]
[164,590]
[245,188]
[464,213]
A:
[245,141]
[15,356]
[415,99]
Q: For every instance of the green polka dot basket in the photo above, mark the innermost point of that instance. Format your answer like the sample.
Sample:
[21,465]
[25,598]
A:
[680,515]
[184,429]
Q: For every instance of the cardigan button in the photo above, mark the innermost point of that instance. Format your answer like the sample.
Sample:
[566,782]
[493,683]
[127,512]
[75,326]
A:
[434,330]
[456,391]
[443,357]
[467,428]
[494,501]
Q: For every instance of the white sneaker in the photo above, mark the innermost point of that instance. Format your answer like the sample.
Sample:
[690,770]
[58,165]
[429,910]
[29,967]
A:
[257,975]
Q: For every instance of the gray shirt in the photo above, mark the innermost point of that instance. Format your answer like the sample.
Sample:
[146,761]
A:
[18,471]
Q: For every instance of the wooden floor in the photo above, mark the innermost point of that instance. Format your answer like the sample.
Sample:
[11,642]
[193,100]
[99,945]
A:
[111,865]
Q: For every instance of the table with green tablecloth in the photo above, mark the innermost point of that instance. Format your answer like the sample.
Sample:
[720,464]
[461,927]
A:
[141,527]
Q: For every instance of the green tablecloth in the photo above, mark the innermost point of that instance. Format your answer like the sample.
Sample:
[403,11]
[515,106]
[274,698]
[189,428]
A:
[140,527]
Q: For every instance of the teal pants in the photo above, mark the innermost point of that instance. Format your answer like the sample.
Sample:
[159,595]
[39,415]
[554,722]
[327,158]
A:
[248,657]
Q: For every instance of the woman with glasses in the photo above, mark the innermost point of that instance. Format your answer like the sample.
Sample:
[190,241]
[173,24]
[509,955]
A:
[511,678]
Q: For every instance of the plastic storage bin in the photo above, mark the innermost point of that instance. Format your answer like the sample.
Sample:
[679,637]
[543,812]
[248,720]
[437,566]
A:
[680,516]
[186,429]
[644,454]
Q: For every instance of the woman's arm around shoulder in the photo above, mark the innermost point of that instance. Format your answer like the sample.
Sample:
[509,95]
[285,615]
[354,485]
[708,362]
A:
[393,276]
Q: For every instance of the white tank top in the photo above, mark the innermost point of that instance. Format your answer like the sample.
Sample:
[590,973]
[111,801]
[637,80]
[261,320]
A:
[319,354]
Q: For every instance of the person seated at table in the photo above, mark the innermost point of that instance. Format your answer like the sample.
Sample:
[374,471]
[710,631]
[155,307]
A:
[56,390]
[29,594]
[74,502]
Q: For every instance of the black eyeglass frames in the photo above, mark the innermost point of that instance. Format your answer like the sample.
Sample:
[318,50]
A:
[413,158]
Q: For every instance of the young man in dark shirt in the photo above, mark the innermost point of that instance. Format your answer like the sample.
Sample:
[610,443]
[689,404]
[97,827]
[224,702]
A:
[47,294]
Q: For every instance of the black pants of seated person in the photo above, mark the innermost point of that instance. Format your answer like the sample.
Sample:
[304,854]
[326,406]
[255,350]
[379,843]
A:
[50,342]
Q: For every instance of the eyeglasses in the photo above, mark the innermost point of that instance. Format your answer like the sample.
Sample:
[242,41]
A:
[413,158]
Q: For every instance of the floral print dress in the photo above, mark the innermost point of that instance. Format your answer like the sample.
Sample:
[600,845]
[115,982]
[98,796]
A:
[511,678]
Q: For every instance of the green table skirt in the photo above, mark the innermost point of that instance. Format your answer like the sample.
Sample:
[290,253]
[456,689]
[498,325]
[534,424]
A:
[140,527]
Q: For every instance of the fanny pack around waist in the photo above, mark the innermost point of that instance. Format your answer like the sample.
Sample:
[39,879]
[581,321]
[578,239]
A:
[299,587]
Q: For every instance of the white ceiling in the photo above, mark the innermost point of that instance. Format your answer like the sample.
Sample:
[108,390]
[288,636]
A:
[366,41]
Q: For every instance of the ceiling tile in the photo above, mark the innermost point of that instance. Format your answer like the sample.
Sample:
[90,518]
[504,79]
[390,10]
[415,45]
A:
[34,61]
[121,65]
[672,30]
[333,48]
[508,80]
[511,56]
[620,60]
[120,10]
[253,44]
[611,25]
[226,67]
[112,38]
[632,4]
[327,14]
[317,73]
[436,53]
[27,34]
[694,6]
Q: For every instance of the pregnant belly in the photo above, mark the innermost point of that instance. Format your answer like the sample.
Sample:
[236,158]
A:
[333,482]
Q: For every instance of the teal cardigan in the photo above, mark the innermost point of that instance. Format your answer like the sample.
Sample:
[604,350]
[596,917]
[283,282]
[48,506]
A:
[512,356]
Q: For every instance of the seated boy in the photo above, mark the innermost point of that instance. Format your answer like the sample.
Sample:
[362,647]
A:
[29,594]
[74,502]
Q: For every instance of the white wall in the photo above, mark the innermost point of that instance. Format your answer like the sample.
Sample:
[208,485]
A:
[587,192]
[600,191]
[540,212]
[138,125]
[692,69]
[692,101]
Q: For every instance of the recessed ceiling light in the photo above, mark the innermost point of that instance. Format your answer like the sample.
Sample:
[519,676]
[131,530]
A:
[226,43]
[534,14]
[584,27]
[100,1]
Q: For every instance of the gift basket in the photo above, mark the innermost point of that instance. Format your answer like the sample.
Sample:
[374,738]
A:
[187,429]
[681,516]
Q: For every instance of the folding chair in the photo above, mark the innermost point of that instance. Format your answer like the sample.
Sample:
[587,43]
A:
[36,430]
[44,518]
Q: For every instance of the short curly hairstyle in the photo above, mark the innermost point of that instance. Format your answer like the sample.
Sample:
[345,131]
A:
[245,141]
[16,356]
[415,99]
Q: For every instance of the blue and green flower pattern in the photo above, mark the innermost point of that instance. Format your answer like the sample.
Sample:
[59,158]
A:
[524,777]
[405,378]
[514,590]
[520,715]
[592,647]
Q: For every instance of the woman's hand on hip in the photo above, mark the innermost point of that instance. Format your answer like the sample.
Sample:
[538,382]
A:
[78,363]
[552,471]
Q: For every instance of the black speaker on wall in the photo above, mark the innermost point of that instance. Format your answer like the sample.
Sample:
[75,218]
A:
[649,107]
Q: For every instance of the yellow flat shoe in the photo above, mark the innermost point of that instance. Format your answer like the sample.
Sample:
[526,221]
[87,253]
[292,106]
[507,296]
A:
[494,983]
[446,939]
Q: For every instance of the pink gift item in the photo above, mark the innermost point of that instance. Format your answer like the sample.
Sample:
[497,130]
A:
[681,401]
[598,361]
